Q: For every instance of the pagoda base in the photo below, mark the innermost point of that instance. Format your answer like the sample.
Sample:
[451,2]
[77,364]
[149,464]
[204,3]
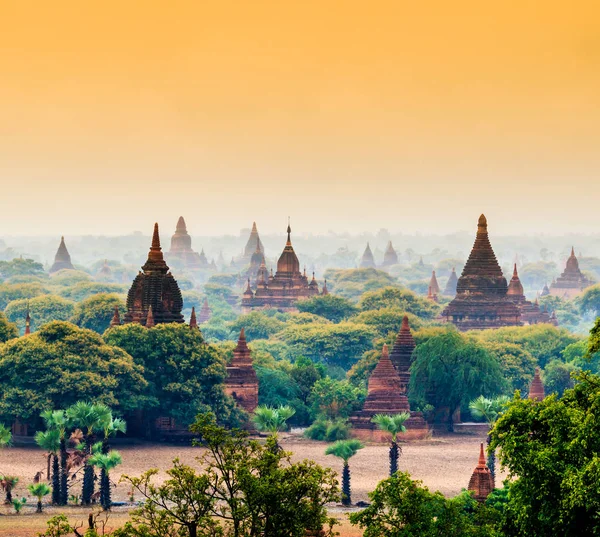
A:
[364,429]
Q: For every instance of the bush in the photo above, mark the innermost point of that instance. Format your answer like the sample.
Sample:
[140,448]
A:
[328,430]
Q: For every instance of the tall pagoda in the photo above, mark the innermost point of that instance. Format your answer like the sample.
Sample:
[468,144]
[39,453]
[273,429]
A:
[367,260]
[205,312]
[433,284]
[282,290]
[536,388]
[450,289]
[481,292]
[481,483]
[572,281]
[62,259]
[242,382]
[390,257]
[154,296]
[254,243]
[181,248]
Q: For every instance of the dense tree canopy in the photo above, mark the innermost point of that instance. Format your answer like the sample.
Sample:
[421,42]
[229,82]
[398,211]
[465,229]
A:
[590,301]
[387,320]
[68,278]
[82,290]
[351,283]
[8,330]
[96,311]
[257,325]
[18,291]
[61,364]
[334,308]
[42,309]
[401,299]
[185,375]
[20,267]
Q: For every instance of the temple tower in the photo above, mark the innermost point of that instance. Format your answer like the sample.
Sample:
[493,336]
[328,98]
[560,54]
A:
[62,259]
[390,257]
[450,289]
[154,293]
[481,292]
[254,243]
[572,281]
[367,260]
[116,318]
[536,388]
[242,382]
[482,481]
[205,312]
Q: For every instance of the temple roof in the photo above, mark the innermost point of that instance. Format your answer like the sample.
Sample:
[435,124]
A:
[482,481]
[253,243]
[433,284]
[515,288]
[390,257]
[536,388]
[403,348]
[181,241]
[62,259]
[367,260]
[450,289]
[288,263]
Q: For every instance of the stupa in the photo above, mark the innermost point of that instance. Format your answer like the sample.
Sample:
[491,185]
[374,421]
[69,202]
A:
[433,283]
[367,260]
[531,313]
[572,281]
[283,290]
[242,382]
[105,271]
[386,394]
[116,318]
[536,388]
[545,290]
[481,292]
[482,481]
[450,289]
[205,312]
[62,259]
[254,243]
[390,257]
[181,248]
[154,294]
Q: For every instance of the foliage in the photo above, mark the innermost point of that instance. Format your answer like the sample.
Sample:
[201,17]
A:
[42,309]
[185,376]
[557,377]
[335,398]
[271,419]
[594,340]
[61,364]
[334,308]
[550,449]
[82,290]
[518,365]
[401,507]
[106,462]
[451,369]
[244,490]
[328,430]
[401,299]
[351,283]
[7,330]
[345,449]
[19,266]
[361,371]
[590,301]
[257,325]
[39,490]
[68,277]
[96,312]
[336,344]
[5,435]
[19,291]
[18,504]
[394,425]
[387,320]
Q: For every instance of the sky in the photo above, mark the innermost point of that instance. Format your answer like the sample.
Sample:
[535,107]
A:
[344,115]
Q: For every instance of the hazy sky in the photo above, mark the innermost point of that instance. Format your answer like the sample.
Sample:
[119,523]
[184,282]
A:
[344,115]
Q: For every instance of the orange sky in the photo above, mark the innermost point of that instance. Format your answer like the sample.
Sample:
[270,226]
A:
[345,115]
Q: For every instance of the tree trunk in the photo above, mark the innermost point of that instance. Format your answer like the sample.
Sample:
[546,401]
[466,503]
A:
[64,478]
[394,453]
[39,506]
[346,493]
[48,463]
[105,493]
[87,490]
[491,461]
[8,495]
[450,420]
[55,480]
[193,529]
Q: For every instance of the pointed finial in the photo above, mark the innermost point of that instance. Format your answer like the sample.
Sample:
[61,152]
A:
[384,352]
[572,251]
[193,321]
[116,319]
[482,222]
[27,321]
[242,334]
[289,230]
[155,238]
[405,323]
[150,318]
[482,462]
[515,273]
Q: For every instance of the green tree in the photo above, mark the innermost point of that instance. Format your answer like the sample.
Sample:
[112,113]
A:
[394,425]
[8,484]
[450,370]
[61,364]
[96,312]
[590,301]
[19,266]
[20,291]
[5,436]
[185,376]
[400,299]
[557,377]
[39,490]
[518,364]
[550,449]
[334,308]
[272,420]
[257,325]
[42,309]
[335,398]
[351,283]
[69,278]
[7,330]
[83,290]
[50,441]
[345,450]
[106,462]
[387,321]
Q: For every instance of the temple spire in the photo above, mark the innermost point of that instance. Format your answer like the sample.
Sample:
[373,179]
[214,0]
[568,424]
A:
[193,321]
[289,231]
[536,389]
[150,318]
[27,321]
[481,483]
[116,318]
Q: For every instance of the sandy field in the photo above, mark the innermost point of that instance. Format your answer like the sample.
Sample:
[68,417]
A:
[444,463]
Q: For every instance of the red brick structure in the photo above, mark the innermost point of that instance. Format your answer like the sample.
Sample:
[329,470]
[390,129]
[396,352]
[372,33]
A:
[482,481]
[390,257]
[536,388]
[181,251]
[27,322]
[481,293]
[450,289]
[572,281]
[531,313]
[242,382]
[116,318]
[154,294]
[433,284]
[367,260]
[283,290]
[205,312]
[62,259]
[254,243]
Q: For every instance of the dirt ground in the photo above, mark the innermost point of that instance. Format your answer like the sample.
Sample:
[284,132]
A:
[444,463]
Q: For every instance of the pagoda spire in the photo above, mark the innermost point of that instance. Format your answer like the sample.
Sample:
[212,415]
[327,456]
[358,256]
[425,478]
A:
[116,318]
[62,259]
[155,260]
[536,389]
[150,318]
[433,283]
[482,480]
[325,290]
[193,322]
[27,321]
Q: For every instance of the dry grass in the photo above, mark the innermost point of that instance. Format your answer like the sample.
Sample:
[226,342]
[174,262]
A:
[444,463]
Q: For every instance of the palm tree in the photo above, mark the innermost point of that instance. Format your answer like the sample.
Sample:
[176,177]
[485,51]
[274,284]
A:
[90,417]
[345,449]
[106,462]
[57,420]
[39,490]
[8,483]
[5,436]
[489,410]
[272,420]
[392,424]
[111,426]
[50,441]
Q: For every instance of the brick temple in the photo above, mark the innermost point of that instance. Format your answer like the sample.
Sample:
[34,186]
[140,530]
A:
[282,290]
[536,388]
[62,259]
[481,292]
[531,313]
[154,296]
[242,382]
[367,260]
[481,483]
[450,289]
[390,257]
[181,251]
[572,281]
[254,243]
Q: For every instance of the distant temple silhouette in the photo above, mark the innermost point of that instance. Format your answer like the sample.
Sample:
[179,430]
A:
[62,259]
